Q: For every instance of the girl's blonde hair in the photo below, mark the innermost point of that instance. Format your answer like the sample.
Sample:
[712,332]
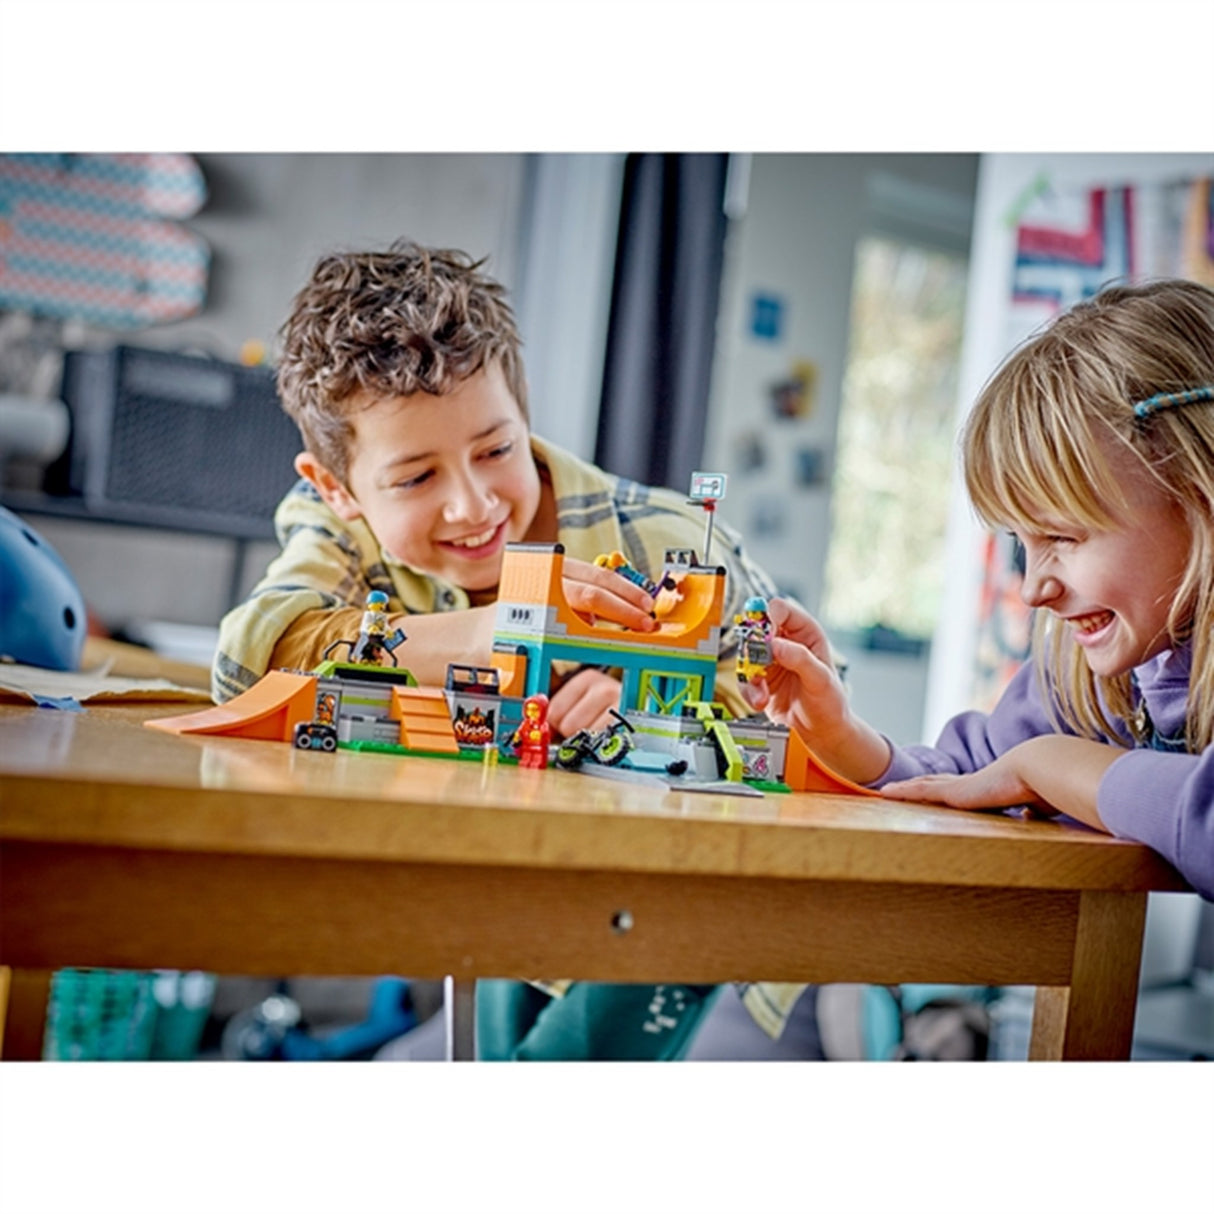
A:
[1031,450]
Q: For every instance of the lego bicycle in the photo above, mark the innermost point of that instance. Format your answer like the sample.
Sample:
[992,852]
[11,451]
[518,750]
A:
[607,746]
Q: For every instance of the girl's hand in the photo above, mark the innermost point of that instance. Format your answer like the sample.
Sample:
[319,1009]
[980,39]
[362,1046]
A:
[583,701]
[802,687]
[604,594]
[1050,774]
[803,691]
[998,786]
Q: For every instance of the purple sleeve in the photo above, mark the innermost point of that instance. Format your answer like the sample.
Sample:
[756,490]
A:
[1167,802]
[972,740]
[1163,800]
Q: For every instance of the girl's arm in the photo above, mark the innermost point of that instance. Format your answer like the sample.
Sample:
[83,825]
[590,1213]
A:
[1053,773]
[803,690]
[1167,802]
[1163,800]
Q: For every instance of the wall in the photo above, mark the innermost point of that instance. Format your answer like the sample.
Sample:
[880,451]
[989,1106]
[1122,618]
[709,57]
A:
[796,240]
[267,219]
[799,219]
[570,220]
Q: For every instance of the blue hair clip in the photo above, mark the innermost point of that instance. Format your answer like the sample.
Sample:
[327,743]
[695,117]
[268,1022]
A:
[1168,400]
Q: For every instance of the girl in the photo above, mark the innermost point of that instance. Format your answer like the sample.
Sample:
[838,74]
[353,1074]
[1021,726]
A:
[1094,444]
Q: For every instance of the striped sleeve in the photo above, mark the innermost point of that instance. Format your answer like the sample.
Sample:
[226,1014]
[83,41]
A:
[322,566]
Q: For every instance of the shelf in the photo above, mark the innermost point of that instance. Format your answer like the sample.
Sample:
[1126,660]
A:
[162,518]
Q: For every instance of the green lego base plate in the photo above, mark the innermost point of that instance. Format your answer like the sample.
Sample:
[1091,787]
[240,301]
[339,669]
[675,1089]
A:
[768,785]
[390,748]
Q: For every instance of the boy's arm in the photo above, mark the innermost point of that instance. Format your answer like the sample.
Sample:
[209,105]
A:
[585,699]
[432,641]
[303,644]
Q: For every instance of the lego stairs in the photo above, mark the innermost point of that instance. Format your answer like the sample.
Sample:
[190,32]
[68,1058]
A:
[425,720]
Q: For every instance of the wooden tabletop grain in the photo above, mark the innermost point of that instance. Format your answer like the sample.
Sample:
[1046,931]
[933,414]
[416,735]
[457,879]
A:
[101,778]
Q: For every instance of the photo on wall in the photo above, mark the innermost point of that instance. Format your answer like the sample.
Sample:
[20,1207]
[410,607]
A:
[793,397]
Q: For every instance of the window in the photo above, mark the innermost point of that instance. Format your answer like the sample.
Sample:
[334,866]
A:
[896,441]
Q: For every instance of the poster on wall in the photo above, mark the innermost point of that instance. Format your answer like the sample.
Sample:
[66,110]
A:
[1069,244]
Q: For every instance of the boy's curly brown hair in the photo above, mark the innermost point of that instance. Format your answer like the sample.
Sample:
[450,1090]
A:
[374,325]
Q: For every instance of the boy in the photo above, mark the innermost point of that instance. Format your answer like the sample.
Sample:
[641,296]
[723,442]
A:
[403,372]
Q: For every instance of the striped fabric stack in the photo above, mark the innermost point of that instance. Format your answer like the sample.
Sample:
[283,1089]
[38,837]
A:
[98,238]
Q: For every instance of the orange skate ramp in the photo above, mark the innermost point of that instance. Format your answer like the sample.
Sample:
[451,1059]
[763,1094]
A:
[425,719]
[269,710]
[805,772]
[689,623]
[699,607]
[531,576]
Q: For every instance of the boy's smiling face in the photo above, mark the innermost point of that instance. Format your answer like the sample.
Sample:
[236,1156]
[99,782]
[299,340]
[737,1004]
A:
[444,482]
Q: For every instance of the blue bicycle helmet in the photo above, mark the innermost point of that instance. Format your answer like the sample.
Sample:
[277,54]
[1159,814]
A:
[43,620]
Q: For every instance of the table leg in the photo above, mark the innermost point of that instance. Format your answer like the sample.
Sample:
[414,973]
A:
[23,1013]
[1093,1018]
[459,1012]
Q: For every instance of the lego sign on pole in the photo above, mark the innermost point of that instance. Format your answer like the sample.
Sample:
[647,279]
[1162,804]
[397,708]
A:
[707,488]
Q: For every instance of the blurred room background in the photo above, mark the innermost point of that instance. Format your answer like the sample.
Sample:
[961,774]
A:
[813,325]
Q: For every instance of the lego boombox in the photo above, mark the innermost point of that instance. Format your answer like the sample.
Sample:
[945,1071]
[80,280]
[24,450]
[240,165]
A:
[174,440]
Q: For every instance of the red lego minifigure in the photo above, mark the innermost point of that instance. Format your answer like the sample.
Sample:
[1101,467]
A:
[532,738]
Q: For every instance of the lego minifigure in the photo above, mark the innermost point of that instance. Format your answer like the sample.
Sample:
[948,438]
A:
[533,736]
[373,637]
[754,639]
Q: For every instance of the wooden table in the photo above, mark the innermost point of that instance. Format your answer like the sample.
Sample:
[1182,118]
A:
[124,846]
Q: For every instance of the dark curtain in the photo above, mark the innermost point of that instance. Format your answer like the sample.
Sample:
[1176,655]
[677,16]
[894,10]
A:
[664,302]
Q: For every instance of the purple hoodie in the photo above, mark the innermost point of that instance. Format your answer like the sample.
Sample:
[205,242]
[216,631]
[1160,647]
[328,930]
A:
[1161,799]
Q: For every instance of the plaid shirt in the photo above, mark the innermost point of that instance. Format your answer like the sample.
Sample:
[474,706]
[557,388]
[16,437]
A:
[328,563]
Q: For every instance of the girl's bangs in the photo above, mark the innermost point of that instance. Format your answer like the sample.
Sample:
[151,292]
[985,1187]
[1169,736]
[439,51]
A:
[1029,466]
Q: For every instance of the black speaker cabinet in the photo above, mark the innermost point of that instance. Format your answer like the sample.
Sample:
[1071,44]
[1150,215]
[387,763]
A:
[176,441]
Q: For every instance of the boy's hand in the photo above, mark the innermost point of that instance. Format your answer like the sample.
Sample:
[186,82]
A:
[803,691]
[583,701]
[604,594]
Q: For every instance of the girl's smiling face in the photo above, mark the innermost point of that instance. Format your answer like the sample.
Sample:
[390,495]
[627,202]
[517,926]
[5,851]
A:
[444,482]
[1112,588]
